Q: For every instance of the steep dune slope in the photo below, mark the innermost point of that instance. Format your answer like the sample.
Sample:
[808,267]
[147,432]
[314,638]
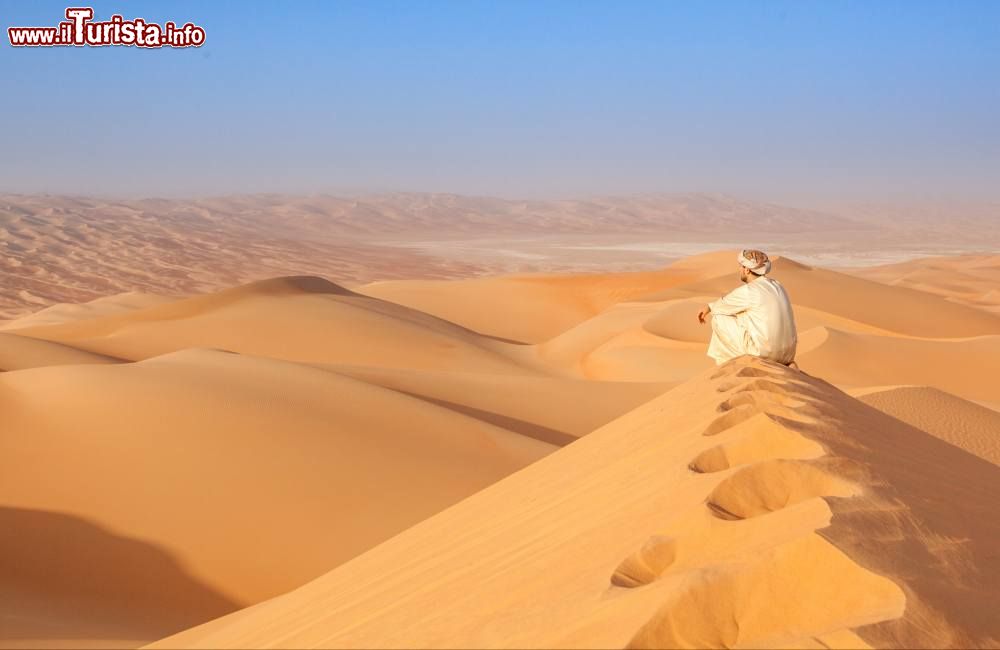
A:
[752,506]
[242,477]
[554,409]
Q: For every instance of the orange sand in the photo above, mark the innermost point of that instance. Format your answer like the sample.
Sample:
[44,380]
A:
[526,461]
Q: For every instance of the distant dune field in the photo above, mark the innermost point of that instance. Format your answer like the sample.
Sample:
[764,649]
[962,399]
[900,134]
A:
[532,459]
[57,249]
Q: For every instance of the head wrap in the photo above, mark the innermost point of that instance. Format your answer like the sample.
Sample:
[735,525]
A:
[756,261]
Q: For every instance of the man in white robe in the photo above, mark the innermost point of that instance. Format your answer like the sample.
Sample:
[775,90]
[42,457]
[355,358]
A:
[755,318]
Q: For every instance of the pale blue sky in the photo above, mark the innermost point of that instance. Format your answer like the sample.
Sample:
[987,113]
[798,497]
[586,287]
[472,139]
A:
[515,98]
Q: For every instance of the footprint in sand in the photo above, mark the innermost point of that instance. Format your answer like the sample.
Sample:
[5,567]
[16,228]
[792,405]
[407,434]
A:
[769,442]
[771,485]
[730,419]
[768,385]
[758,399]
[647,564]
[751,371]
[754,604]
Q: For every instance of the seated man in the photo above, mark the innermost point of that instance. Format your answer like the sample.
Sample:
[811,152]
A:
[755,318]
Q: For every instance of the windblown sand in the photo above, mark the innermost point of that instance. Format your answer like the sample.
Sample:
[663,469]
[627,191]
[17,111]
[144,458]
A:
[534,460]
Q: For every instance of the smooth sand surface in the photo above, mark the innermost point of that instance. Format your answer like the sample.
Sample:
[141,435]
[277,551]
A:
[183,455]
[306,319]
[972,279]
[525,308]
[21,352]
[524,460]
[964,424]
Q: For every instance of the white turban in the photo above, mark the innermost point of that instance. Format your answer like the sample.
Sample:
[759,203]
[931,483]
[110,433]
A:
[760,269]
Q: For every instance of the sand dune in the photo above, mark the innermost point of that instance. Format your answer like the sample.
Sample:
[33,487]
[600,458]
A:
[515,460]
[204,443]
[299,319]
[72,249]
[753,506]
[889,308]
[971,279]
[526,308]
[555,409]
[405,212]
[21,352]
[964,424]
[958,366]
[68,312]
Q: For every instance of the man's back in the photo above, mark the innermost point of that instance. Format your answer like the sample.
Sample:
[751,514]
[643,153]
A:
[769,320]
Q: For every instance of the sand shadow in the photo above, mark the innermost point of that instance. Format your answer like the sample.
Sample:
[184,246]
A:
[523,427]
[64,577]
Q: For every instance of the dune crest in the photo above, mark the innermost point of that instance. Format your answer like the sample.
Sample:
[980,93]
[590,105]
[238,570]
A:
[623,539]
[307,319]
[22,352]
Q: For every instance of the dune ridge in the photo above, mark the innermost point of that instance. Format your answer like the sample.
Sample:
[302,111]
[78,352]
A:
[305,318]
[22,352]
[631,538]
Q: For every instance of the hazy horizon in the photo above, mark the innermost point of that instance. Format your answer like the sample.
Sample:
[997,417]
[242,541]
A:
[779,101]
[820,203]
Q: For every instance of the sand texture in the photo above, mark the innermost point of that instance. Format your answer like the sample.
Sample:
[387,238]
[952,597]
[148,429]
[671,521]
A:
[514,460]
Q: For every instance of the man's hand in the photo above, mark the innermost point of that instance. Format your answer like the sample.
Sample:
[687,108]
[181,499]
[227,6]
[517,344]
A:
[703,314]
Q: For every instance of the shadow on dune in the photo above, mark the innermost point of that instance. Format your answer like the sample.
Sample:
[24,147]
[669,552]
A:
[928,520]
[63,577]
[523,427]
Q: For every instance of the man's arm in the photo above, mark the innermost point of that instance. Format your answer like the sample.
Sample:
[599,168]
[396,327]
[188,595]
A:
[736,301]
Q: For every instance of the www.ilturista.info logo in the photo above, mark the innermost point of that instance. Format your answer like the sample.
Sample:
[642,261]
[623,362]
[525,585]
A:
[80,30]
